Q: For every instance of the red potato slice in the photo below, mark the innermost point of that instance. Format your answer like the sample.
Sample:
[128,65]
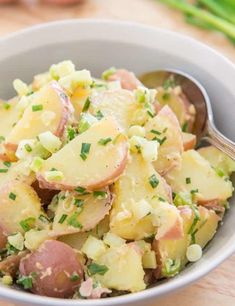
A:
[127,79]
[54,264]
[180,105]
[18,202]
[218,159]
[119,104]
[189,141]
[176,249]
[55,113]
[104,163]
[10,264]
[93,211]
[166,126]
[130,191]
[202,176]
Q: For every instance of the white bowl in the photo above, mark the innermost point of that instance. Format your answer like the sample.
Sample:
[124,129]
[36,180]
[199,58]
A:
[97,45]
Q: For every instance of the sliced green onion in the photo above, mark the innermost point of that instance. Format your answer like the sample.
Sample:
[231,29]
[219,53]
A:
[85,149]
[86,105]
[3,170]
[12,196]
[94,268]
[62,219]
[28,223]
[37,107]
[100,194]
[104,141]
[72,220]
[153,181]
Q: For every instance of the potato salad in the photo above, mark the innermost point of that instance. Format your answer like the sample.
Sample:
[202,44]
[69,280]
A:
[104,190]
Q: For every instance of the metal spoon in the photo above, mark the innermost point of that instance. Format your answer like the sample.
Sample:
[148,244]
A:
[204,127]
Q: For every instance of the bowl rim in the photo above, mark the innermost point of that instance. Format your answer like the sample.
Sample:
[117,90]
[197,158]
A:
[159,290]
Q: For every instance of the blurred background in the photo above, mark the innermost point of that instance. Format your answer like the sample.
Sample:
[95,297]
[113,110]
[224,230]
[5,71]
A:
[209,21]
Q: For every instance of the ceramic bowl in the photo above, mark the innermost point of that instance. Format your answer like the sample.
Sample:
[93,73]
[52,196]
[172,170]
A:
[97,45]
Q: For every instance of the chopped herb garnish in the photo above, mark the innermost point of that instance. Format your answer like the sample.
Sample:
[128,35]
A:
[37,107]
[166,96]
[28,223]
[161,141]
[10,249]
[29,93]
[219,172]
[44,219]
[169,83]
[188,180]
[2,138]
[85,150]
[6,105]
[27,147]
[71,132]
[25,281]
[99,115]
[138,148]
[81,190]
[78,202]
[194,191]
[3,170]
[165,129]
[86,105]
[12,196]
[94,268]
[100,194]
[155,132]
[150,113]
[171,267]
[74,277]
[104,141]
[62,219]
[153,181]
[7,164]
[72,220]
[185,127]
[161,199]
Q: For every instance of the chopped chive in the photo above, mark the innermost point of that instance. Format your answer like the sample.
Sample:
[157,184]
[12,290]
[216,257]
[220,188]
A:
[85,150]
[71,133]
[3,170]
[28,147]
[100,194]
[73,220]
[62,219]
[153,181]
[7,164]
[155,132]
[169,83]
[188,180]
[194,191]
[166,96]
[104,141]
[94,268]
[78,202]
[86,105]
[6,105]
[25,281]
[81,190]
[12,196]
[161,199]
[219,172]
[165,129]
[185,127]
[27,224]
[74,277]
[2,138]
[99,115]
[37,107]
[150,113]
[44,219]
[161,141]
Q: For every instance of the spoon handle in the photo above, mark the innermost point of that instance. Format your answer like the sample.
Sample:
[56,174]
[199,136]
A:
[218,140]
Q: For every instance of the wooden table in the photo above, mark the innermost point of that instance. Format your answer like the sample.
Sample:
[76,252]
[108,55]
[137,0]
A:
[217,288]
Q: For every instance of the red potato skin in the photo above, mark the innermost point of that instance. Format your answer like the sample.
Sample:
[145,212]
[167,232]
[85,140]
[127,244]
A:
[175,232]
[103,183]
[127,79]
[54,262]
[10,265]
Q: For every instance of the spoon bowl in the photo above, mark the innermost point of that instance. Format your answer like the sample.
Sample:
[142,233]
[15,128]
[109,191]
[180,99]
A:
[204,127]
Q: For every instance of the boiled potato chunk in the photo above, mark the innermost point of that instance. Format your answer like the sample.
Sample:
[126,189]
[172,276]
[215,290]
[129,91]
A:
[9,115]
[125,270]
[175,250]
[50,110]
[18,202]
[82,213]
[78,99]
[54,265]
[197,174]
[189,141]
[10,264]
[135,209]
[218,160]
[180,105]
[101,165]
[165,128]
[120,104]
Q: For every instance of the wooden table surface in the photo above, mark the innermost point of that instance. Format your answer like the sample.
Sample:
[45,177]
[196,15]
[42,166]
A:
[217,288]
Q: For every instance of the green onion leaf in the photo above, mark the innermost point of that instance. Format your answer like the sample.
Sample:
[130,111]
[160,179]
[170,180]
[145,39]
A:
[72,220]
[104,141]
[100,194]
[27,147]
[188,180]
[85,150]
[78,202]
[37,107]
[153,181]
[27,224]
[7,164]
[86,105]
[74,277]
[94,268]
[12,196]
[62,219]
[3,170]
